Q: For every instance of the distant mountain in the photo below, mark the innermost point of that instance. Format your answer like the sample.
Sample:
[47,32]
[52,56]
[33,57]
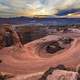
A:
[40,21]
[15,20]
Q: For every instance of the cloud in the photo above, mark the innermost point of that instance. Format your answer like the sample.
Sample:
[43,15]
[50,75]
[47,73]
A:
[3,7]
[35,7]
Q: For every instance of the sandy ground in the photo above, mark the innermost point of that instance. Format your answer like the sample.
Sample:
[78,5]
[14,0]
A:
[27,61]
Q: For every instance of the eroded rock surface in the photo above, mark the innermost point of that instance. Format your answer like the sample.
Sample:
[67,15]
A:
[30,61]
[9,36]
[63,75]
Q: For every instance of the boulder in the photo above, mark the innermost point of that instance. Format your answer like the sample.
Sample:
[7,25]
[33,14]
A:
[63,75]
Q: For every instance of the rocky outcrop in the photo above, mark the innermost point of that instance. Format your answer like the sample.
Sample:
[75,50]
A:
[63,75]
[7,34]
[61,72]
[2,43]
[5,76]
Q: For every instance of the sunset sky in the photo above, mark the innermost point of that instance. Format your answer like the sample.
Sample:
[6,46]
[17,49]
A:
[11,8]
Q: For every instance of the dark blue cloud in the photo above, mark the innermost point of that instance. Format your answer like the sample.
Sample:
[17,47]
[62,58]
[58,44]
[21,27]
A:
[67,11]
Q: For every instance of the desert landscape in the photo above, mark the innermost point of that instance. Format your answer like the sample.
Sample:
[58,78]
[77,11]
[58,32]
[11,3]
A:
[39,39]
[29,61]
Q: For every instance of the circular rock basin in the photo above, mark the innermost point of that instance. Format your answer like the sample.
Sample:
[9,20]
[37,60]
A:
[53,47]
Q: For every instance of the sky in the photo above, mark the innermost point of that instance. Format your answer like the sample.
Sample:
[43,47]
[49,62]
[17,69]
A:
[12,8]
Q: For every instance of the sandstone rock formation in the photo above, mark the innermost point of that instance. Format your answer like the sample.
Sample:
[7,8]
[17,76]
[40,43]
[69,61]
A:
[5,31]
[63,75]
[35,59]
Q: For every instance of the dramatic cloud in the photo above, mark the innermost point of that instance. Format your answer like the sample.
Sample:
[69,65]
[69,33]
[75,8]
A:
[10,8]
